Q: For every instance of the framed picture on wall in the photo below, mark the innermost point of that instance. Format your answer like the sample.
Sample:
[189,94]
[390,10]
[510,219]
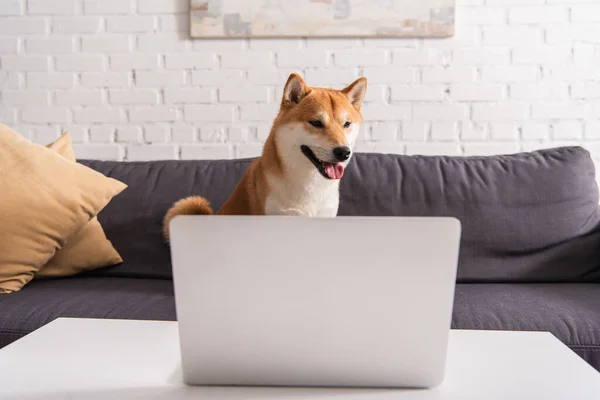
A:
[322,18]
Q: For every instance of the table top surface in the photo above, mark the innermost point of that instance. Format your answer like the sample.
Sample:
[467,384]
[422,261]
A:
[127,359]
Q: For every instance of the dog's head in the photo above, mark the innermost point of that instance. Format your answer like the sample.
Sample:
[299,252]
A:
[319,126]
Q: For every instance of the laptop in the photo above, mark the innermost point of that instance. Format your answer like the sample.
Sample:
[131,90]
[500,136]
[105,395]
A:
[321,302]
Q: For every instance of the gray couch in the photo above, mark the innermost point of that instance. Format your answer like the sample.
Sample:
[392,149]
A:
[529,257]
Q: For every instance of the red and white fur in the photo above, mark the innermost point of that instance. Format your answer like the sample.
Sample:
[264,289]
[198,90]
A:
[303,159]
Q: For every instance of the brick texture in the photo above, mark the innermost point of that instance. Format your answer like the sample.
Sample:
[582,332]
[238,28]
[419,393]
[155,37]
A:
[124,77]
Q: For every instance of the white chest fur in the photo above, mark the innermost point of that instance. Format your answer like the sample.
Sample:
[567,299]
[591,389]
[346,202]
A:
[313,196]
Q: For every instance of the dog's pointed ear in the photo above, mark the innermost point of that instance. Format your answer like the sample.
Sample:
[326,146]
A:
[356,92]
[295,90]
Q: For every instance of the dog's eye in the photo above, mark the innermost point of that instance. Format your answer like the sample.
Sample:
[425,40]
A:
[347,124]
[316,124]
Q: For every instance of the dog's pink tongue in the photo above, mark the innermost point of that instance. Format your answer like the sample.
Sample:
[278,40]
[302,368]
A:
[334,171]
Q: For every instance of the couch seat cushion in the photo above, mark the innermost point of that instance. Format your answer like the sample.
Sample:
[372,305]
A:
[43,301]
[570,311]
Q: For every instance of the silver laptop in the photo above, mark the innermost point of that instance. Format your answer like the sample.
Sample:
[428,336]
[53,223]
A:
[296,301]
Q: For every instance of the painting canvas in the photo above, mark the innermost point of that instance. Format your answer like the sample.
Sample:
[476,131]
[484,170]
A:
[322,18]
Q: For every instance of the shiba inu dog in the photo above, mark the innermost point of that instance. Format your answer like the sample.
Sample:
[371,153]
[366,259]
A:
[303,159]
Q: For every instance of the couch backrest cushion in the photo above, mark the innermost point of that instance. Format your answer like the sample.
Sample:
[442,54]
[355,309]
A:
[133,220]
[525,217]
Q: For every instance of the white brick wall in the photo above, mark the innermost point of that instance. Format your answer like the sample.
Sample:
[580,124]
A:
[126,80]
[11,7]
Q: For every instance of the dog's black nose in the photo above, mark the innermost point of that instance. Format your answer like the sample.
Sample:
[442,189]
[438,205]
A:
[342,153]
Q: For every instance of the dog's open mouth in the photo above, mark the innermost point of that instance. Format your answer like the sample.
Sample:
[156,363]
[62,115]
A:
[327,169]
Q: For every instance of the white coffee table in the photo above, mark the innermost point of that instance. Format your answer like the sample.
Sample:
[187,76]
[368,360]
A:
[121,359]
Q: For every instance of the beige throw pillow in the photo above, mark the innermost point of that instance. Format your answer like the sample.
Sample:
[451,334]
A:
[44,200]
[87,249]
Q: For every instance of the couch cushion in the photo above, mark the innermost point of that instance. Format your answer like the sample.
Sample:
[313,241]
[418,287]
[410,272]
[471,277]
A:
[570,311]
[525,217]
[45,199]
[85,250]
[43,301]
[133,220]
